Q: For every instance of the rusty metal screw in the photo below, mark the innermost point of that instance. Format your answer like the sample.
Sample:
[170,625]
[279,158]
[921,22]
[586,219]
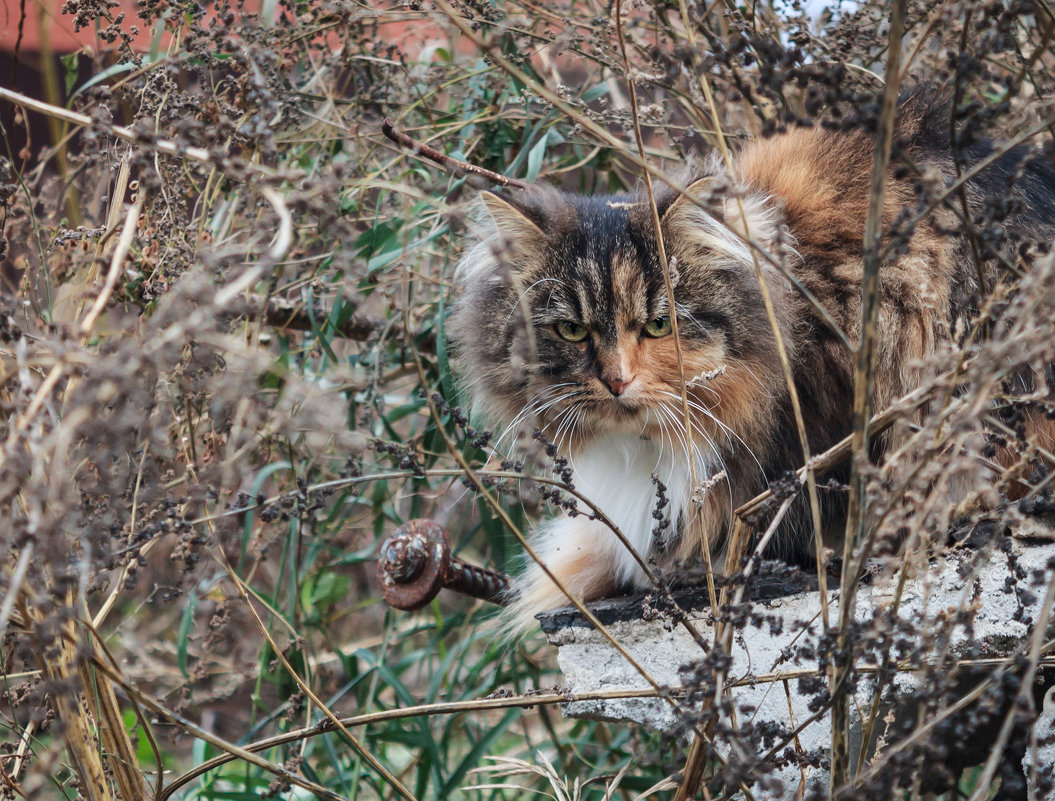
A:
[415,563]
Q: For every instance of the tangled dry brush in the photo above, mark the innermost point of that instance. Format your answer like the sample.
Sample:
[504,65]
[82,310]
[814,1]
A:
[221,329]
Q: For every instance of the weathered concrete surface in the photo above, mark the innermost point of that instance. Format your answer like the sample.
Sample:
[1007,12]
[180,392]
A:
[1039,761]
[993,583]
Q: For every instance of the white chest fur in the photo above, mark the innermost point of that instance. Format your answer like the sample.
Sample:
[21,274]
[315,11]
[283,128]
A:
[615,473]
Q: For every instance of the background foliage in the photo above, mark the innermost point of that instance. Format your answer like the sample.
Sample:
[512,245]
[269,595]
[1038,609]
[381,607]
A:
[220,334]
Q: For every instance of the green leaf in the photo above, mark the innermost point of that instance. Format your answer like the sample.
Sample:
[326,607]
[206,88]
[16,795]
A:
[323,591]
[70,67]
[535,157]
[183,635]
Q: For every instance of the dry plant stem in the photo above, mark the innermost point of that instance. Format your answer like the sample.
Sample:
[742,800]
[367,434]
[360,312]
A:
[14,587]
[983,320]
[144,724]
[796,742]
[448,162]
[121,759]
[895,605]
[692,776]
[957,96]
[1038,51]
[119,583]
[283,314]
[235,751]
[863,379]
[124,244]
[117,203]
[22,752]
[953,187]
[764,541]
[165,146]
[696,762]
[668,287]
[483,704]
[351,739]
[507,521]
[789,380]
[77,727]
[921,40]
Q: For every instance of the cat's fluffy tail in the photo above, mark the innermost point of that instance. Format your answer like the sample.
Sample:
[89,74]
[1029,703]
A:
[578,555]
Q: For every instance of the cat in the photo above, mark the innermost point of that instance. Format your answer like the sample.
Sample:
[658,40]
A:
[564,324]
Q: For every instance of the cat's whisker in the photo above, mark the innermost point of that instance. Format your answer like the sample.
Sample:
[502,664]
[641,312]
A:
[675,410]
[550,404]
[518,305]
[539,405]
[729,432]
[678,432]
[707,388]
[765,390]
[577,416]
[663,448]
[514,424]
[577,424]
[536,407]
[566,418]
[675,414]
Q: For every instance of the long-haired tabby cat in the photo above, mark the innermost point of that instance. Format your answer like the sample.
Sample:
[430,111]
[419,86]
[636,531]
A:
[564,323]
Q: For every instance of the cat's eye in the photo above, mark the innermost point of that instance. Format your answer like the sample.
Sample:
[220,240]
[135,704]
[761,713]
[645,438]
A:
[660,327]
[572,332]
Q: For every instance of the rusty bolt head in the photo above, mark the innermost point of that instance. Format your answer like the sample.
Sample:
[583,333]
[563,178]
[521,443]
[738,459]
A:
[404,558]
[413,564]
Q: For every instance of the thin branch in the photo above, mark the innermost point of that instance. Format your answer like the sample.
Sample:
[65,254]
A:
[863,388]
[457,166]
[165,146]
[283,313]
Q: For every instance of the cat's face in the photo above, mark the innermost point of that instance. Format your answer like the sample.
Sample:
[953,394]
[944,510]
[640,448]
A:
[566,320]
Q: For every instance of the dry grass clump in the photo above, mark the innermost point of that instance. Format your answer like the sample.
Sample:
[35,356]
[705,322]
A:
[222,324]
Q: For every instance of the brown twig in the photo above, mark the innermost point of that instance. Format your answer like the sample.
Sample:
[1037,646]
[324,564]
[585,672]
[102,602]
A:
[864,386]
[457,166]
[283,313]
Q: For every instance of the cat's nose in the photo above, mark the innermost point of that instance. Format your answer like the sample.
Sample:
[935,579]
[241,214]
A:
[618,385]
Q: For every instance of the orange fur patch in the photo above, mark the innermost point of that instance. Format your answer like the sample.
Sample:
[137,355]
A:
[1040,434]
[823,179]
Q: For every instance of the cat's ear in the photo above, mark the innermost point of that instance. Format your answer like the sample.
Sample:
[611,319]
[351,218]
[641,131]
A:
[516,221]
[677,202]
[510,233]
